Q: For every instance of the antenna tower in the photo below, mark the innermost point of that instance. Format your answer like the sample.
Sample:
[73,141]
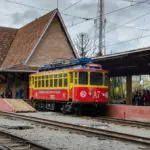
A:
[100,24]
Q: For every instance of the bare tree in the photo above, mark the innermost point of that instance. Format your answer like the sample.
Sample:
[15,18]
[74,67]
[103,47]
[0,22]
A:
[83,44]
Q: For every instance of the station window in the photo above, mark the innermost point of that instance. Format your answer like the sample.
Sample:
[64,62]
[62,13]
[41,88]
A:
[96,78]
[83,78]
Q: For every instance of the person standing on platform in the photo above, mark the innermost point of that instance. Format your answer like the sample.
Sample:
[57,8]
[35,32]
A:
[19,93]
[8,93]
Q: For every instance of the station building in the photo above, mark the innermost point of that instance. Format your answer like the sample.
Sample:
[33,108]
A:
[24,50]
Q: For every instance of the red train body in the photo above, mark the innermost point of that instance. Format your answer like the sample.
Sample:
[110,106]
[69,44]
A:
[68,89]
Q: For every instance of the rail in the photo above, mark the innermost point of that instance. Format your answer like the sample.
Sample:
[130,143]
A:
[8,141]
[84,129]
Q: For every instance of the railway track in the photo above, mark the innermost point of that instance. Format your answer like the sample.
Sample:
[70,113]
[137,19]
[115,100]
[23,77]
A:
[83,129]
[9,141]
[121,121]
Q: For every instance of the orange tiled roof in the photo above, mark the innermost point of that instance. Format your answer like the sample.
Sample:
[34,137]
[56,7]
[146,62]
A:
[7,35]
[25,40]
[20,68]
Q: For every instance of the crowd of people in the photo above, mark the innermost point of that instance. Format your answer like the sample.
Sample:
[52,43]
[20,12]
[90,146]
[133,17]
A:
[141,98]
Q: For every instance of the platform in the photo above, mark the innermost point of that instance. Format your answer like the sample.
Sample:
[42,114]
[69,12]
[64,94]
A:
[15,105]
[129,112]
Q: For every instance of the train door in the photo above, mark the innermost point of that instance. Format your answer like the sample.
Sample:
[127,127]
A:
[71,86]
[31,82]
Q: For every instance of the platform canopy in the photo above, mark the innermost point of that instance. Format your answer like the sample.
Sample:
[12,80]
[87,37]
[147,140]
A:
[134,62]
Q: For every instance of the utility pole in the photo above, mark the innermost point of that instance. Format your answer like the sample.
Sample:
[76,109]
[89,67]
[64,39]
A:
[101,21]
[57,4]
[82,48]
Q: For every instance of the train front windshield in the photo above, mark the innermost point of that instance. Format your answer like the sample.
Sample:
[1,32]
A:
[93,78]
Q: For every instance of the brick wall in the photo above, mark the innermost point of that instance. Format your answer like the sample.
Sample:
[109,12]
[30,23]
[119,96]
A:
[138,113]
[53,45]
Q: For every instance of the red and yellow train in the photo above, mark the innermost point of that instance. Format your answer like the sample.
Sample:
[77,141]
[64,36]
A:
[68,88]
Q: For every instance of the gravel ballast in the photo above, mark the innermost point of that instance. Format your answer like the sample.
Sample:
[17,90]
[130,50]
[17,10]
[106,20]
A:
[61,139]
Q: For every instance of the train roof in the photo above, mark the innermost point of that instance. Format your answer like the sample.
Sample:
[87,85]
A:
[69,70]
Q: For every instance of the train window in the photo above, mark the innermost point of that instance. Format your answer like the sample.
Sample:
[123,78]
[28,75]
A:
[46,83]
[35,84]
[83,78]
[60,82]
[42,83]
[65,82]
[55,82]
[51,83]
[96,78]
[46,77]
[35,78]
[65,74]
[56,76]
[32,80]
[76,81]
[39,83]
[76,74]
[106,79]
[60,75]
[42,77]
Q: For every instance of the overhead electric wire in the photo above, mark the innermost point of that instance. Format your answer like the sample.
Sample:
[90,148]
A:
[77,23]
[133,27]
[84,18]
[128,22]
[9,1]
[128,41]
[126,7]
[133,1]
[70,6]
[87,19]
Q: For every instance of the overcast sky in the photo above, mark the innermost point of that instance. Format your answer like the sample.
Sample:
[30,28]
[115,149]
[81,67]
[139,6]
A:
[14,15]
